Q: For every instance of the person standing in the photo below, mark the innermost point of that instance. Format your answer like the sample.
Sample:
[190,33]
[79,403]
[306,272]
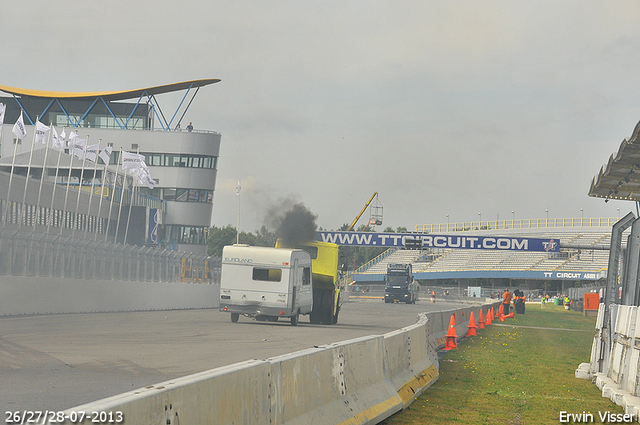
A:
[506,301]
[190,127]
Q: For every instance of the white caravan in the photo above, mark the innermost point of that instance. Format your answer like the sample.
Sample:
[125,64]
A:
[265,283]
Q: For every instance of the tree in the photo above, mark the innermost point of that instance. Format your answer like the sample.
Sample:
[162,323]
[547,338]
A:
[219,237]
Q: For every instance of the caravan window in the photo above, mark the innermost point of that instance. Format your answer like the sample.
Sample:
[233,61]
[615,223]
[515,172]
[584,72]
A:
[306,276]
[268,275]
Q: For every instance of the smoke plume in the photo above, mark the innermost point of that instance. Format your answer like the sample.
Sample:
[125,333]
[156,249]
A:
[294,225]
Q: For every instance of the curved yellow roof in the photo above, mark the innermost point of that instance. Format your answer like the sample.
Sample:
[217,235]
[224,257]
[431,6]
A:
[110,95]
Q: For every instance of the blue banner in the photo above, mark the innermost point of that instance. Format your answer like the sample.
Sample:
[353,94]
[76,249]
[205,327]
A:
[397,240]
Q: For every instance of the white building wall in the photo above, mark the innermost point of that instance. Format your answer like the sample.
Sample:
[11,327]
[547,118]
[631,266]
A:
[177,142]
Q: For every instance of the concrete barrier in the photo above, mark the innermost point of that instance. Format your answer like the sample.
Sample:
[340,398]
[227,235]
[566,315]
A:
[411,367]
[359,381]
[30,295]
[236,394]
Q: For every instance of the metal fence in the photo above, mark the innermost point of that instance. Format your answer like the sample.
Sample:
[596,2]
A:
[24,252]
[538,223]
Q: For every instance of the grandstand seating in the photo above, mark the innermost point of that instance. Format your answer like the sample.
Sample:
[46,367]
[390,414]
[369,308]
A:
[452,260]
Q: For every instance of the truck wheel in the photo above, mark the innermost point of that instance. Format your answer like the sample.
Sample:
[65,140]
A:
[295,318]
[235,317]
[328,305]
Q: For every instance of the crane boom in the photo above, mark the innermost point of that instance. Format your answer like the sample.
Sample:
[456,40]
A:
[362,212]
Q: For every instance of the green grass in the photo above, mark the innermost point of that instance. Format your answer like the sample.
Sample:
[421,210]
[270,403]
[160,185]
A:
[514,374]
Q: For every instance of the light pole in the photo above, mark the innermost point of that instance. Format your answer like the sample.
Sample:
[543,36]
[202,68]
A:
[618,212]
[480,225]
[447,222]
[582,217]
[547,211]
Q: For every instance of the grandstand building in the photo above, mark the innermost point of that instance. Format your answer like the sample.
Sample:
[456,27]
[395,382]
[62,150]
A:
[181,160]
[582,260]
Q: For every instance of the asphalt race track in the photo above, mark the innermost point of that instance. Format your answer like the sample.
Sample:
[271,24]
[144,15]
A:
[56,362]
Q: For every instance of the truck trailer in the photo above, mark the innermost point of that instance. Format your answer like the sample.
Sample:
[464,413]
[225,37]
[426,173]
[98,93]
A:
[266,283]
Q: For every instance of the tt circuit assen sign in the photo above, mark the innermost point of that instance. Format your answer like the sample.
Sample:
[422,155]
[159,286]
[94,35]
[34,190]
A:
[390,240]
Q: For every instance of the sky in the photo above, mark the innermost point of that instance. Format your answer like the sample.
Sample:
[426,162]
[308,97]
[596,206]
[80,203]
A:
[452,111]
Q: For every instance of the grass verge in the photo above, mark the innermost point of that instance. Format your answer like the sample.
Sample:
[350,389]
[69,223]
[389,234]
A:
[521,373]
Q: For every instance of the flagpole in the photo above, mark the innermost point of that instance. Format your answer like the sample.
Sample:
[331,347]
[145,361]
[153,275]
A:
[55,185]
[124,181]
[26,181]
[113,193]
[76,218]
[66,194]
[104,175]
[44,167]
[238,219]
[13,165]
[133,191]
[93,183]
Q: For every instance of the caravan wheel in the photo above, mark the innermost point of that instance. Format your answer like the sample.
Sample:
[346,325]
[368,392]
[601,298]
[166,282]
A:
[235,317]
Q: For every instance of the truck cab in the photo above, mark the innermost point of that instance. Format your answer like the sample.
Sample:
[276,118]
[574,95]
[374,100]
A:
[400,285]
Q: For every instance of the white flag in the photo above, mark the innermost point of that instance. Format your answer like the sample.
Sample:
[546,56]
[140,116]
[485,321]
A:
[2,109]
[41,132]
[58,140]
[131,161]
[105,154]
[144,176]
[79,146]
[92,152]
[18,128]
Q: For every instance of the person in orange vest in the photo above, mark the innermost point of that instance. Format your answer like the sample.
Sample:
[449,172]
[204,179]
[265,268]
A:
[506,301]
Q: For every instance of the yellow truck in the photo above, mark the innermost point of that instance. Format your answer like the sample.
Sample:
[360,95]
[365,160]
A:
[326,286]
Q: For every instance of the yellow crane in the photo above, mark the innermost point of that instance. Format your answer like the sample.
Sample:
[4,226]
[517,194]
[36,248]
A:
[375,218]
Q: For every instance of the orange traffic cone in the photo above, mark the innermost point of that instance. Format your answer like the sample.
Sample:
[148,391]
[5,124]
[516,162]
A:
[501,310]
[481,321]
[488,319]
[501,318]
[472,325]
[510,315]
[451,334]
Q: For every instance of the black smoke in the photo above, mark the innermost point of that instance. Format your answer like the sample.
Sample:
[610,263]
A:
[294,225]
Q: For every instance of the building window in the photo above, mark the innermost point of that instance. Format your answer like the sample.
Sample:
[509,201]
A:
[179,194]
[191,235]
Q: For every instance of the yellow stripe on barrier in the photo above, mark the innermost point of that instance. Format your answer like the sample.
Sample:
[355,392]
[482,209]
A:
[373,412]
[424,378]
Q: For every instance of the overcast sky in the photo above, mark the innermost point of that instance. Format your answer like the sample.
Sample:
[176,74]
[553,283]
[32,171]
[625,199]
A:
[455,108]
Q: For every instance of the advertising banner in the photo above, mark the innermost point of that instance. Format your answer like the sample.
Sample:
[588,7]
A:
[397,240]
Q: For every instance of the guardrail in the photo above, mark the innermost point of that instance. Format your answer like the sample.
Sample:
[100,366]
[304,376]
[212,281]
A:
[538,223]
[359,381]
